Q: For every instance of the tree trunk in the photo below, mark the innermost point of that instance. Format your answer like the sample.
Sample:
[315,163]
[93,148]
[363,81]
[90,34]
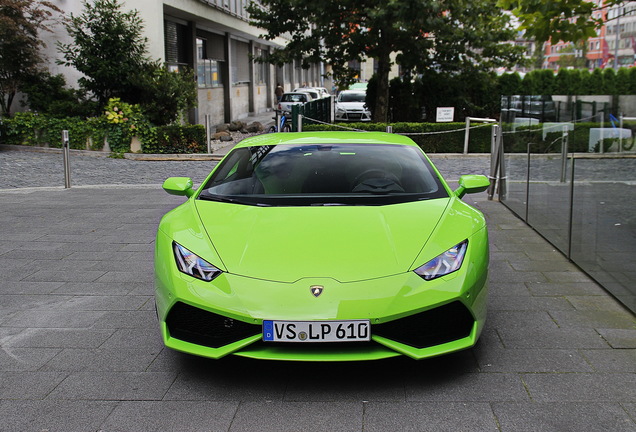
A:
[5,104]
[381,111]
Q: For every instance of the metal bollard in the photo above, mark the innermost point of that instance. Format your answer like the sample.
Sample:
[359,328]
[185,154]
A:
[207,133]
[300,122]
[389,129]
[67,167]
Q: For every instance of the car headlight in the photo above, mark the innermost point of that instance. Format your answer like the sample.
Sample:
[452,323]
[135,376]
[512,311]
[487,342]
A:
[193,265]
[444,263]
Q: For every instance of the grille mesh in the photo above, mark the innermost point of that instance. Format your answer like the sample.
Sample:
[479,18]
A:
[194,325]
[433,327]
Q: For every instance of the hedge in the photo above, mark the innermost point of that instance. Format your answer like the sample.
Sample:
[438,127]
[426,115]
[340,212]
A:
[40,130]
[481,137]
[430,141]
[176,139]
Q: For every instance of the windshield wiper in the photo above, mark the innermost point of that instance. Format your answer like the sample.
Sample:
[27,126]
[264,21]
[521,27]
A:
[226,199]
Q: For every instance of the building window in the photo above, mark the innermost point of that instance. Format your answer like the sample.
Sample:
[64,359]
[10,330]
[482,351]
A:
[240,62]
[176,44]
[260,68]
[208,70]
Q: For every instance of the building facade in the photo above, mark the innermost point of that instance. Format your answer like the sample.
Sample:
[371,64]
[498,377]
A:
[614,44]
[215,39]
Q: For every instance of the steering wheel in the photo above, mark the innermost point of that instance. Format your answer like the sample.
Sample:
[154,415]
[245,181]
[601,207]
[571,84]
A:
[376,179]
[375,173]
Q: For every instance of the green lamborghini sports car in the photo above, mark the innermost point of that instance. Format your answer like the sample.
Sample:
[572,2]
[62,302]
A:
[322,246]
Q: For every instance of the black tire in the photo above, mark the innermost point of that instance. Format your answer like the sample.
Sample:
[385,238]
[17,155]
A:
[271,129]
[286,128]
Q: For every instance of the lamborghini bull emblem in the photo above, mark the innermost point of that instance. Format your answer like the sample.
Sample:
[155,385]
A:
[316,290]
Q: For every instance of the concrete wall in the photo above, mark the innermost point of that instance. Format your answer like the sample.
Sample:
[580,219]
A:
[240,101]
[211,102]
[261,99]
[627,105]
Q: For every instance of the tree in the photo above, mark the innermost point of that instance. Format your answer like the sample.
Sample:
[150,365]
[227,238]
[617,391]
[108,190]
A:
[450,35]
[562,20]
[108,48]
[48,94]
[20,43]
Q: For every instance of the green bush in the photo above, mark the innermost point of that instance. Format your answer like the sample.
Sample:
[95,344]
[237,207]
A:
[175,139]
[27,128]
[424,135]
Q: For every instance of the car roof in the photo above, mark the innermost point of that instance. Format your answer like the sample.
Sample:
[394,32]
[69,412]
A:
[358,86]
[346,137]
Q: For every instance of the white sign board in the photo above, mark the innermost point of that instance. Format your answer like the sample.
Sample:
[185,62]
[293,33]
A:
[445,114]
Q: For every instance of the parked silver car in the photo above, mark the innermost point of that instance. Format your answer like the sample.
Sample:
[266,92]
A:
[293,98]
[351,106]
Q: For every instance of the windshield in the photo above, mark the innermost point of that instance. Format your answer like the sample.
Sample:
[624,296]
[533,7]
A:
[338,174]
[352,97]
[290,97]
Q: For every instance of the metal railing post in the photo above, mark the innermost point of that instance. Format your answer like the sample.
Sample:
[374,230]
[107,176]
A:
[494,161]
[67,167]
[207,133]
[564,153]
[602,146]
[467,133]
[620,135]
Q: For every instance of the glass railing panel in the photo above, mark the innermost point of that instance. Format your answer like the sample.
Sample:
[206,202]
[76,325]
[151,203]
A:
[604,223]
[549,198]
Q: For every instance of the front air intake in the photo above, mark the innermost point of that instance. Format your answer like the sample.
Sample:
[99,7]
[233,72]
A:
[200,327]
[436,326]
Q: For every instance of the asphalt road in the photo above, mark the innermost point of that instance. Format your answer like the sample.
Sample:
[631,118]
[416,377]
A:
[80,349]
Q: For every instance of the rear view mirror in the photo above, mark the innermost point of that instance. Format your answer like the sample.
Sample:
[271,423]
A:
[179,186]
[472,184]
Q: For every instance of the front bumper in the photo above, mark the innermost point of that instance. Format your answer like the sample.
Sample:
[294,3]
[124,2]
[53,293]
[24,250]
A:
[353,116]
[409,316]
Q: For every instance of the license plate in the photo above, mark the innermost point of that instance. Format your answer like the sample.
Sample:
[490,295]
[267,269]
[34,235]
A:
[316,331]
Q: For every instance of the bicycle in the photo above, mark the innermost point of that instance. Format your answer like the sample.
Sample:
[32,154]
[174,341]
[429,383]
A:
[284,125]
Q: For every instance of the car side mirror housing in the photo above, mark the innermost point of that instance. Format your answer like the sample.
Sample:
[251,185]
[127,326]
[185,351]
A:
[179,186]
[472,184]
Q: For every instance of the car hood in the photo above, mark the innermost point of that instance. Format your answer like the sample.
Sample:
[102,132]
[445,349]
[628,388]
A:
[351,105]
[346,243]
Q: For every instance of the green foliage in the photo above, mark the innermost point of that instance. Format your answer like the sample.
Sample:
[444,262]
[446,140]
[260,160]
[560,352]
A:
[41,130]
[623,85]
[595,82]
[510,84]
[165,95]
[33,129]
[108,48]
[21,24]
[177,139]
[566,20]
[545,81]
[530,84]
[47,94]
[123,121]
[423,134]
[609,82]
[469,36]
